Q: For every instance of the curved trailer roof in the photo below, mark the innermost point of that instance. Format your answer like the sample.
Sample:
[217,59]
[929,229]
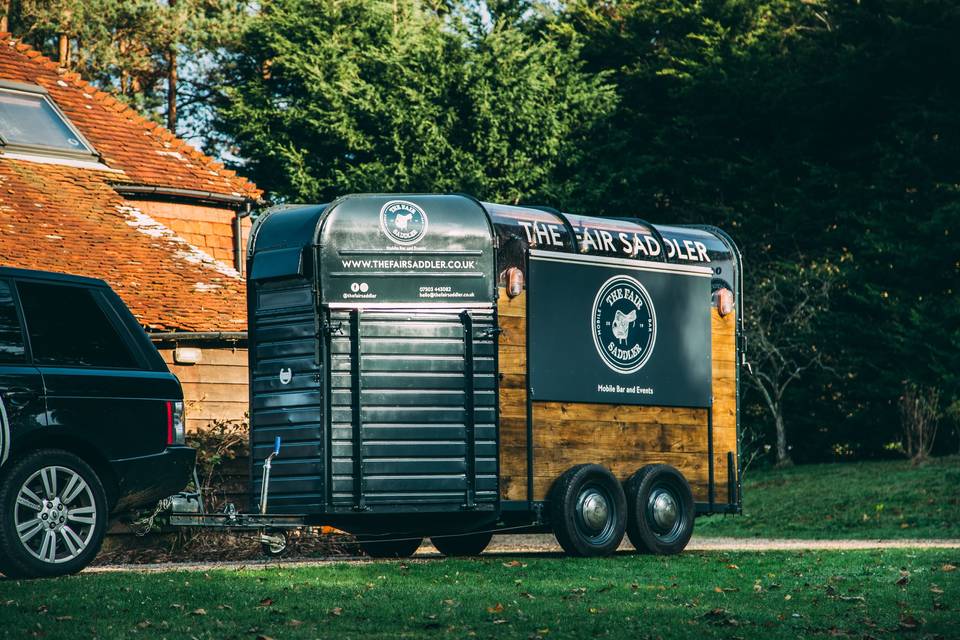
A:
[281,233]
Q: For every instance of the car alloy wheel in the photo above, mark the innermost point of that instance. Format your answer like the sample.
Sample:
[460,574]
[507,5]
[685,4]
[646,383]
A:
[56,514]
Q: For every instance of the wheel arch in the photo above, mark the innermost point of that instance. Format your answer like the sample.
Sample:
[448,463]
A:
[85,450]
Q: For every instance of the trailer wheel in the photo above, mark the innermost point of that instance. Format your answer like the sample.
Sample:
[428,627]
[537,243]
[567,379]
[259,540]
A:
[588,511]
[661,510]
[402,548]
[471,544]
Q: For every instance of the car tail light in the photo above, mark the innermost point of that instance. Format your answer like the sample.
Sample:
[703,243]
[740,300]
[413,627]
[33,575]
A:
[175,423]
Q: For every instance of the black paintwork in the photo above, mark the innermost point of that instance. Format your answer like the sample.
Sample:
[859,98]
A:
[359,349]
[114,418]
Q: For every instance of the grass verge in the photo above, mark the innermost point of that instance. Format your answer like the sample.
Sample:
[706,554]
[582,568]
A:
[869,500]
[864,594]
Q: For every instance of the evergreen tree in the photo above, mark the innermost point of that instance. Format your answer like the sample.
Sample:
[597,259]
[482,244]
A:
[372,95]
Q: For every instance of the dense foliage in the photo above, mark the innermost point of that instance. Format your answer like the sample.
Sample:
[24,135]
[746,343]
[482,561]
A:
[333,97]
[821,133]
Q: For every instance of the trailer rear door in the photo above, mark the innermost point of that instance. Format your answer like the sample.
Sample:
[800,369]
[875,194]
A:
[407,298]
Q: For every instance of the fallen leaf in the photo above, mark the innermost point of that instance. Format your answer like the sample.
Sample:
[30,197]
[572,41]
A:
[853,599]
[948,568]
[903,579]
[144,624]
[295,622]
[42,609]
[63,618]
[266,602]
[732,566]
[198,612]
[908,622]
[336,611]
[788,597]
[499,621]
[529,596]
[497,608]
[513,563]
[262,637]
[936,589]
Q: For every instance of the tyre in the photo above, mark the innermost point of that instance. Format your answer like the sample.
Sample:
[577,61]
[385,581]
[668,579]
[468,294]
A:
[471,544]
[53,515]
[588,511]
[661,510]
[401,548]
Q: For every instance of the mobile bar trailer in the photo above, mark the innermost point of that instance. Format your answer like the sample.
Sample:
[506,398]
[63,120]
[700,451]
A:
[437,366]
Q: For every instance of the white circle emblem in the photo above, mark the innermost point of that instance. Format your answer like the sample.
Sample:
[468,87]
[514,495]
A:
[403,222]
[624,324]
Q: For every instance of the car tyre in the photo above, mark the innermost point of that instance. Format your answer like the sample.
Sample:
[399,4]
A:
[661,510]
[588,511]
[471,544]
[53,515]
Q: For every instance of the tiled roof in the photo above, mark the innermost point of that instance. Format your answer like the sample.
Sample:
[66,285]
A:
[69,219]
[144,151]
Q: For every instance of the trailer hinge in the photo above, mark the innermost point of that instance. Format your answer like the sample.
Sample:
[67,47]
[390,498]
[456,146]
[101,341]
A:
[329,329]
[490,332]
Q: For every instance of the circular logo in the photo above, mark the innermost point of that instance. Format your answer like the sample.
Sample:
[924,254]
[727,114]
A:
[624,324]
[403,222]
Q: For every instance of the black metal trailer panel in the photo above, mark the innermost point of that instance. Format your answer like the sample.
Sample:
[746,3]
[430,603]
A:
[377,369]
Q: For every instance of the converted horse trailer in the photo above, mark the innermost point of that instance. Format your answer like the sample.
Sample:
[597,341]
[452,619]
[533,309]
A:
[437,366]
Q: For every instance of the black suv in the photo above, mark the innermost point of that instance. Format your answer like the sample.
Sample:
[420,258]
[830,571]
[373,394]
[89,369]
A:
[91,420]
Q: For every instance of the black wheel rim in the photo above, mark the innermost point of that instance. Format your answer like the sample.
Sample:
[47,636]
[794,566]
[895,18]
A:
[665,512]
[595,514]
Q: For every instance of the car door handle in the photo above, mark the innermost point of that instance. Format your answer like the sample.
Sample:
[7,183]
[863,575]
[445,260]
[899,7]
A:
[19,395]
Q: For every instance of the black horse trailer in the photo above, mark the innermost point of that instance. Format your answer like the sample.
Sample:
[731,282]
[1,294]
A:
[437,366]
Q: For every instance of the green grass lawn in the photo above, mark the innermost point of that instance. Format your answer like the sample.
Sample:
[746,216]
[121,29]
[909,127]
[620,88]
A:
[878,594]
[852,500]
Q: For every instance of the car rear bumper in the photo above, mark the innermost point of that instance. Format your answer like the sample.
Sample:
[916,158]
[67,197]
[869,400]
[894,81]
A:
[144,480]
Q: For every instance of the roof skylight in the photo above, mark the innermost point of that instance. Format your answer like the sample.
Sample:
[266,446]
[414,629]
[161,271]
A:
[31,122]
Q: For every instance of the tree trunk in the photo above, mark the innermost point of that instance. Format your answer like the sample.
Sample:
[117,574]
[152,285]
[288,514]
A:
[64,50]
[783,454]
[5,18]
[172,92]
[172,74]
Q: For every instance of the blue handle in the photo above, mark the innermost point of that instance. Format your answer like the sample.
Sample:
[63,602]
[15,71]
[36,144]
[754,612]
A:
[276,446]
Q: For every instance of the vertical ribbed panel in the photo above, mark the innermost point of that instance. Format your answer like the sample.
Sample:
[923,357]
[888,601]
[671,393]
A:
[412,410]
[285,347]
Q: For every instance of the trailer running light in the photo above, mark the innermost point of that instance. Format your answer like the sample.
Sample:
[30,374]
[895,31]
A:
[176,434]
[514,282]
[725,302]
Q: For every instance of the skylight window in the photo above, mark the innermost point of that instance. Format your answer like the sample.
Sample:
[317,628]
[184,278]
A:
[31,122]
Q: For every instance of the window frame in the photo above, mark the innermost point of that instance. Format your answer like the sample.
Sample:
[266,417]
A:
[109,313]
[39,149]
[18,310]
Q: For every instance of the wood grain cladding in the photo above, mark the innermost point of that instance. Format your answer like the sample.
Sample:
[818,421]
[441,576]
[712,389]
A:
[621,437]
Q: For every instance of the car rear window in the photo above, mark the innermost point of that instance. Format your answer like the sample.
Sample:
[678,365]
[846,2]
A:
[68,327]
[11,335]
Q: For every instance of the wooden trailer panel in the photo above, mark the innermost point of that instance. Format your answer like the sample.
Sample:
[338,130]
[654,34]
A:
[621,437]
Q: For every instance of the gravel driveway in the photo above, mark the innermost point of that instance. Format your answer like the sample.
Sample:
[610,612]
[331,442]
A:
[546,544]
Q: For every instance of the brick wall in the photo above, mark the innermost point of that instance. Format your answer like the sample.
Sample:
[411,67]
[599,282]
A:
[206,227]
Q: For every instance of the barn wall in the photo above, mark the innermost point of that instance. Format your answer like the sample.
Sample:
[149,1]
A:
[205,227]
[621,437]
[215,388]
